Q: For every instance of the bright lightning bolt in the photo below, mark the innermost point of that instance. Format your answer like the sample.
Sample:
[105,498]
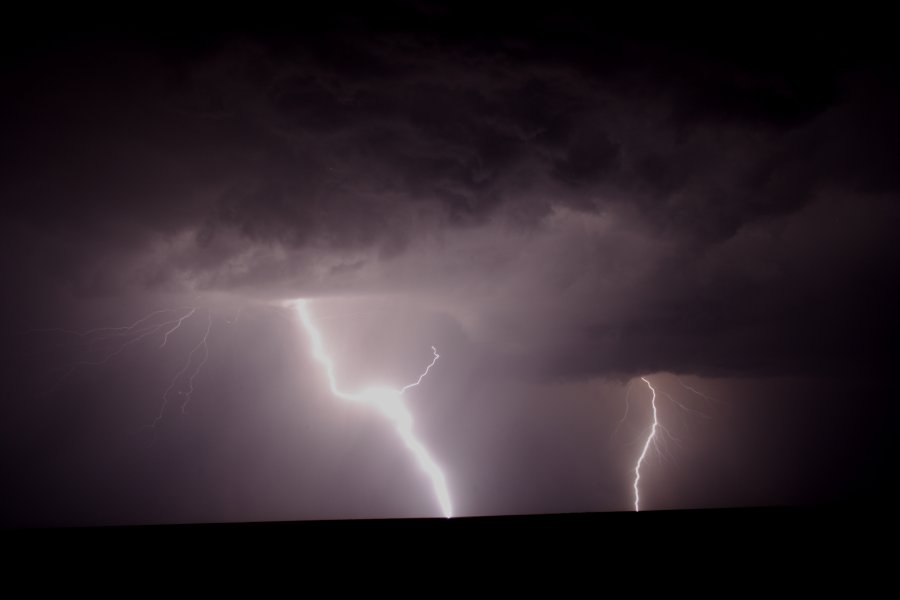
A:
[387,400]
[659,434]
[637,467]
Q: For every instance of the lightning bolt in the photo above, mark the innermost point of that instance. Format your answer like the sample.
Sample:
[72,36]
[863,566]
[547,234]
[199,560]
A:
[696,391]
[424,373]
[653,438]
[190,359]
[627,406]
[142,333]
[637,466]
[190,390]
[388,401]
[110,333]
[140,330]
[114,331]
[176,326]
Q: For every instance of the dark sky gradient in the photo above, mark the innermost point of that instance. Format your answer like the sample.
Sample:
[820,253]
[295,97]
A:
[561,202]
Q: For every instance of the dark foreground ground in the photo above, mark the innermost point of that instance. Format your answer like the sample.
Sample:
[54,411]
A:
[828,534]
[835,551]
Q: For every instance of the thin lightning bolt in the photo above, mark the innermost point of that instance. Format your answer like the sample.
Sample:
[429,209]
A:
[637,467]
[190,390]
[180,373]
[698,392]
[627,405]
[176,326]
[422,376]
[387,400]
[142,329]
[684,407]
[124,331]
[142,334]
[659,435]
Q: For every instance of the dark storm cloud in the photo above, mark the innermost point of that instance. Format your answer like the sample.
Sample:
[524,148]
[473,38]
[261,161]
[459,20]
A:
[589,203]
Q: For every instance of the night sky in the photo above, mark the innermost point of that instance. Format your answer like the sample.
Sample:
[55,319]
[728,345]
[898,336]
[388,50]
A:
[561,202]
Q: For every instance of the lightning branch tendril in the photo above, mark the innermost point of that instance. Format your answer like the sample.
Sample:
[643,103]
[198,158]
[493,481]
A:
[187,394]
[684,407]
[187,364]
[140,330]
[696,391]
[143,333]
[424,373]
[176,326]
[627,406]
[387,400]
[114,331]
[118,332]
